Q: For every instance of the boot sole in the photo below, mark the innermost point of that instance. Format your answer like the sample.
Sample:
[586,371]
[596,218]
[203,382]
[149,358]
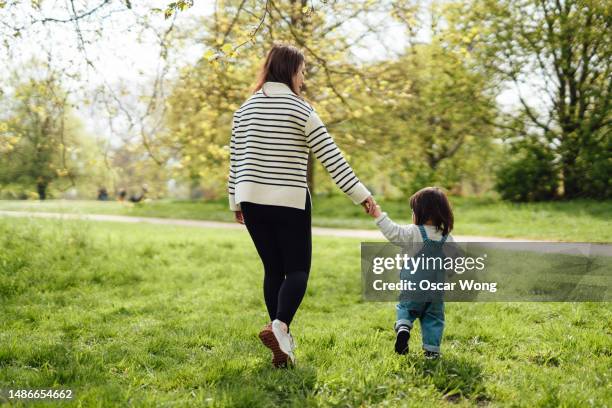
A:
[280,358]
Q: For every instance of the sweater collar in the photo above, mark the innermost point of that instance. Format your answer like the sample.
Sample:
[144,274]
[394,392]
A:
[276,88]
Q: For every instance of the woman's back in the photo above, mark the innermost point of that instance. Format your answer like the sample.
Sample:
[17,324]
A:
[272,134]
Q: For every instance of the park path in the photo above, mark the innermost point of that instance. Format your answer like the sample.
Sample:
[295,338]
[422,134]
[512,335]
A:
[320,231]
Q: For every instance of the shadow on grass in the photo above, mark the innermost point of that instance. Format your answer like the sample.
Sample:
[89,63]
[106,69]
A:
[454,377]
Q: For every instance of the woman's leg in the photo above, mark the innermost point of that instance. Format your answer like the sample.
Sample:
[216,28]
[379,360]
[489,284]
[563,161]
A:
[294,237]
[263,234]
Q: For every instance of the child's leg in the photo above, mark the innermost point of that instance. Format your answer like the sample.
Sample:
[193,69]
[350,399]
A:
[407,313]
[432,326]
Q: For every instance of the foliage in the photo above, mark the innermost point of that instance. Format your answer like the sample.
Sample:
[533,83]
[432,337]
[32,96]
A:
[562,54]
[428,114]
[529,175]
[429,107]
[428,121]
[237,38]
[38,142]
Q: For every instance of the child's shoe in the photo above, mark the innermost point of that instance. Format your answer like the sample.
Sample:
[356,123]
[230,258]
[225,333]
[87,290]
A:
[432,355]
[401,339]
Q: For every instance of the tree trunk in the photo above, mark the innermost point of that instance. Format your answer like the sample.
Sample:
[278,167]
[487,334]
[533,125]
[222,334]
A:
[571,176]
[195,186]
[42,190]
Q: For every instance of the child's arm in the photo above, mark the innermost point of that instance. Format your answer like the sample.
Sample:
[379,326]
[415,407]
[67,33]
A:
[391,230]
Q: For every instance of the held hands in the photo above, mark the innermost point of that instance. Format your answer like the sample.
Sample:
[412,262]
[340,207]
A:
[370,207]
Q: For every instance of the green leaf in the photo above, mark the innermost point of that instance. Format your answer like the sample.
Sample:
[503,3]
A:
[227,48]
[209,55]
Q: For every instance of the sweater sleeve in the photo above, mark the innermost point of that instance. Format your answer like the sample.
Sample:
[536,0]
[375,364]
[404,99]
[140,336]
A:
[393,231]
[232,173]
[326,151]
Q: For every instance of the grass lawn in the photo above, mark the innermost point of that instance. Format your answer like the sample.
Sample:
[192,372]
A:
[574,221]
[148,315]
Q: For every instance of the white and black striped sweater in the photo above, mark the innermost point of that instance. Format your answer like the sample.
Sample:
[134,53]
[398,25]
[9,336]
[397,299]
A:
[272,133]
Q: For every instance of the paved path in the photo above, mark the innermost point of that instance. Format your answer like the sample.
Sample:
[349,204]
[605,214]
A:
[330,232]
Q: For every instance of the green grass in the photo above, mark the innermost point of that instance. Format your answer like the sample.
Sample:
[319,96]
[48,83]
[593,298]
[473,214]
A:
[149,315]
[573,221]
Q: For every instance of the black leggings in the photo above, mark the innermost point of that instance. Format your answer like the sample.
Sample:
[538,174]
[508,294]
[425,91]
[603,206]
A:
[283,240]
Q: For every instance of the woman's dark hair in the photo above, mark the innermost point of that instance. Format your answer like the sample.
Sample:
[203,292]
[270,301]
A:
[430,203]
[282,63]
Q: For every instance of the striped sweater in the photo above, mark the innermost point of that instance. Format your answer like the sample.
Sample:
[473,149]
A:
[272,134]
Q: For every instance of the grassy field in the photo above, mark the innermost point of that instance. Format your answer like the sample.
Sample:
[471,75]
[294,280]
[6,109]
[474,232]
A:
[145,315]
[574,221]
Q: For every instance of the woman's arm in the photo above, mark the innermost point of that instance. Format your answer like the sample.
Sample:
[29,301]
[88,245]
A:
[326,151]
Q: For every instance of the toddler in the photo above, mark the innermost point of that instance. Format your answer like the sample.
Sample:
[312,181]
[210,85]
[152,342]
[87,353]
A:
[432,222]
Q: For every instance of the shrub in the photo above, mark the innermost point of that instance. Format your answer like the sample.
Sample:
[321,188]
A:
[531,176]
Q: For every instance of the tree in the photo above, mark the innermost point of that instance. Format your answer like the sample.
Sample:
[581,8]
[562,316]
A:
[237,38]
[561,53]
[430,116]
[39,138]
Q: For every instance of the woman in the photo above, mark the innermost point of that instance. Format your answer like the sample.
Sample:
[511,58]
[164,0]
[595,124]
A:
[272,133]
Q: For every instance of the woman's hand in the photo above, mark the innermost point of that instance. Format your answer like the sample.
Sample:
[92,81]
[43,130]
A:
[369,205]
[239,217]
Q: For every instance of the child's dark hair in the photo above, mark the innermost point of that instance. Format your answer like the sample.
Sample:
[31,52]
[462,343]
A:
[430,203]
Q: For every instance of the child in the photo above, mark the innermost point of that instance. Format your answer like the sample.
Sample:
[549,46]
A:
[432,219]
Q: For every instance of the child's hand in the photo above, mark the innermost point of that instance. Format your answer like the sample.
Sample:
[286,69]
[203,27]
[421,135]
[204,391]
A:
[376,212]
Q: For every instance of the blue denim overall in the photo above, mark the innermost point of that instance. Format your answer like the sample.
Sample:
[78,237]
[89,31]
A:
[431,314]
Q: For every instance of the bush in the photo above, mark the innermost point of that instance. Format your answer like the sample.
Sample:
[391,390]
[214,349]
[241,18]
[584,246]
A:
[595,166]
[532,176]
[14,192]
